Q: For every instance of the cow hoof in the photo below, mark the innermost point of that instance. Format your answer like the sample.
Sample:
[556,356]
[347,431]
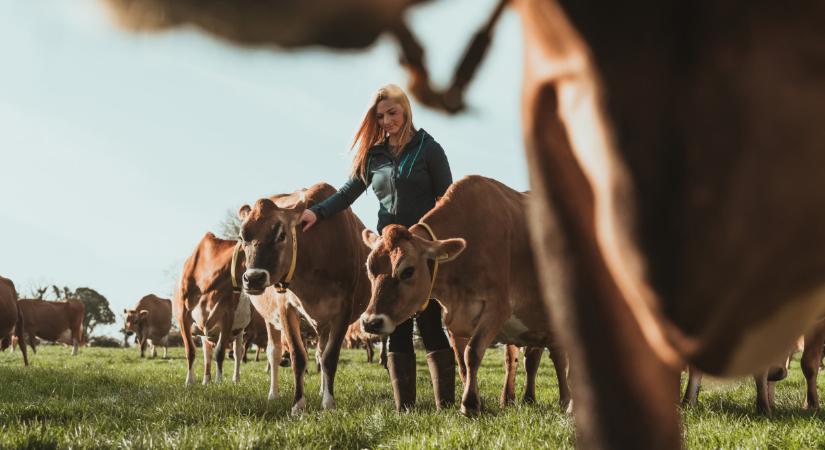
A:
[236,379]
[205,381]
[569,409]
[299,407]
[471,405]
[328,403]
[273,395]
[528,399]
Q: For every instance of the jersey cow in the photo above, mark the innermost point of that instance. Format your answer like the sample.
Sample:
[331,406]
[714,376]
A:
[329,292]
[53,321]
[11,318]
[482,274]
[205,297]
[150,320]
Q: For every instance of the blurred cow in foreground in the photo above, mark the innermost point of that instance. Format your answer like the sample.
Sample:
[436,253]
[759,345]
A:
[11,318]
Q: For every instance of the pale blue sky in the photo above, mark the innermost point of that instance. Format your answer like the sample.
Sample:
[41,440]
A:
[119,151]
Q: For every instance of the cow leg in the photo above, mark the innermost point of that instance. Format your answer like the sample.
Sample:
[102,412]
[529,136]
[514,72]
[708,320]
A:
[485,331]
[32,342]
[165,346]
[318,352]
[298,356]
[75,342]
[370,350]
[811,358]
[143,343]
[383,358]
[273,354]
[19,332]
[532,360]
[154,349]
[258,352]
[763,393]
[459,345]
[329,360]
[508,391]
[559,358]
[240,354]
[208,347]
[185,325]
[692,389]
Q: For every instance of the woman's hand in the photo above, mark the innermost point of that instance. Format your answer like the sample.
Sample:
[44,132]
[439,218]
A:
[308,218]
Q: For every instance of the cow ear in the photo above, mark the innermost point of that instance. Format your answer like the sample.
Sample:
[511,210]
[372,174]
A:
[244,211]
[370,239]
[144,313]
[446,250]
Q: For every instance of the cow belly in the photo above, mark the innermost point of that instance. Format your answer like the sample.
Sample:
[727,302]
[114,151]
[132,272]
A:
[65,337]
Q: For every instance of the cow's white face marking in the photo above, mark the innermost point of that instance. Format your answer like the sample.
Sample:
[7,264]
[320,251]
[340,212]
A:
[387,327]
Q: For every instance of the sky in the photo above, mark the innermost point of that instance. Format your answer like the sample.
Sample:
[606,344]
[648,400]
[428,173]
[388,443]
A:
[119,151]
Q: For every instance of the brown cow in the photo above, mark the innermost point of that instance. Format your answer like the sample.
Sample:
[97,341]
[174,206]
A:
[53,321]
[150,320]
[490,294]
[357,337]
[329,292]
[255,333]
[205,297]
[11,318]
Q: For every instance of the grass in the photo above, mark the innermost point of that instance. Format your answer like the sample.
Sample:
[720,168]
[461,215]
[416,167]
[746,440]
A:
[111,398]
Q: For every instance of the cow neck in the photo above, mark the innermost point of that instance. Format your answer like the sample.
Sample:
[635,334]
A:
[429,234]
[233,266]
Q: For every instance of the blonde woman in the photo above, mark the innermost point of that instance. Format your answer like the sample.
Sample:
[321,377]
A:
[408,171]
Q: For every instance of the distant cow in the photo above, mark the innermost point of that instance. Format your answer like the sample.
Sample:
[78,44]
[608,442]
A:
[206,298]
[472,252]
[357,337]
[255,333]
[150,320]
[53,321]
[330,292]
[11,318]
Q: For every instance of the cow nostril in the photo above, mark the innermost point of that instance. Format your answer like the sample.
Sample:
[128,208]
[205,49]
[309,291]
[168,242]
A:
[374,325]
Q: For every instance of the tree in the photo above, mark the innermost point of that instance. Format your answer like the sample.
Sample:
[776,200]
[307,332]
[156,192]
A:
[230,227]
[97,309]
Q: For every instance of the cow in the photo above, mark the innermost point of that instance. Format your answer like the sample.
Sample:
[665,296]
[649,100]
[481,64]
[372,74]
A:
[329,292]
[665,209]
[150,320]
[487,284]
[255,333]
[811,345]
[11,318]
[207,298]
[53,321]
[356,337]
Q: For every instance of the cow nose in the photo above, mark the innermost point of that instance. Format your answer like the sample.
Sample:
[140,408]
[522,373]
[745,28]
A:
[374,325]
[255,280]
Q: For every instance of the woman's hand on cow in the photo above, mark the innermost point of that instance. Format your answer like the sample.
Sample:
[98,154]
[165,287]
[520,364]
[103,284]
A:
[308,219]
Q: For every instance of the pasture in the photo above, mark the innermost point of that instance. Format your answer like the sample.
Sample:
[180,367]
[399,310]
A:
[108,398]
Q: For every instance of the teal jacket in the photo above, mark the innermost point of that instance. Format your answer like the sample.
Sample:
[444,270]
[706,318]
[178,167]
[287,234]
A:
[406,187]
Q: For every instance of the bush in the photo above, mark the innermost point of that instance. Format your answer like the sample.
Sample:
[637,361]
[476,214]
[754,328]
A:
[105,341]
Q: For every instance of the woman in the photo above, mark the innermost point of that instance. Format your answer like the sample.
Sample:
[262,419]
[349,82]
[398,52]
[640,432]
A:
[408,171]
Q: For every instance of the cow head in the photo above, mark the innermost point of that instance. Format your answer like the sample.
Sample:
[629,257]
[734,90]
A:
[134,319]
[268,233]
[399,268]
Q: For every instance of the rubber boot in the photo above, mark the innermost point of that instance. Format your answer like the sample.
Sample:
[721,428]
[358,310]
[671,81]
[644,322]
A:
[402,375]
[442,373]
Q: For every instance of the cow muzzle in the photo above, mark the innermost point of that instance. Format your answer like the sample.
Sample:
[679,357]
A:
[255,281]
[377,324]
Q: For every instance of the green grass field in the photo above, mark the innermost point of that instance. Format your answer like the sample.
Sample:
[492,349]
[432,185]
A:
[112,398]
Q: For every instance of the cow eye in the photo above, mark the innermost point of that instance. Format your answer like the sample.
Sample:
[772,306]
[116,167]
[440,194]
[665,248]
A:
[281,237]
[407,273]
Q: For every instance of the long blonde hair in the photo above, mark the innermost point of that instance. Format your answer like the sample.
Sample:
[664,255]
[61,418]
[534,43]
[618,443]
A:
[370,133]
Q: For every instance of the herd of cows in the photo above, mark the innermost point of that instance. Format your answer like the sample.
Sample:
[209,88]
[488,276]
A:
[675,215]
[352,286]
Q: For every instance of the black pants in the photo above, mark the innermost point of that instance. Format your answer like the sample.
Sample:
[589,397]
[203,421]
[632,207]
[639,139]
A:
[430,327]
